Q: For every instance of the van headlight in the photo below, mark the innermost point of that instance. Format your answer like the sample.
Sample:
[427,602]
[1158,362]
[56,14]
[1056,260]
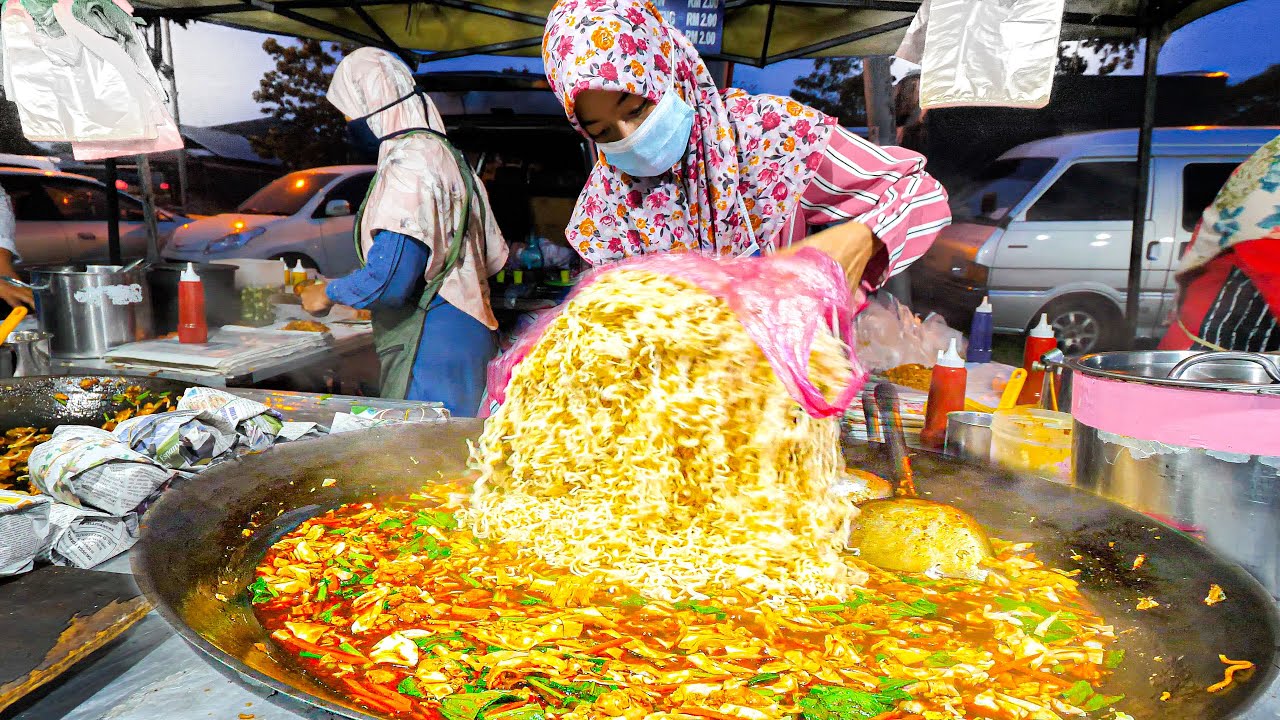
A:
[233,241]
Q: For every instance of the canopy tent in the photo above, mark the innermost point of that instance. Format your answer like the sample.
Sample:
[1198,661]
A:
[756,32]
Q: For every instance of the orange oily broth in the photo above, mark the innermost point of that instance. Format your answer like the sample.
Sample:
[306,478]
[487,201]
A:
[391,605]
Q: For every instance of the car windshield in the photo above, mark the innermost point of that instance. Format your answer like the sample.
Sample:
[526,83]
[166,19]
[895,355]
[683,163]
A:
[287,195]
[998,189]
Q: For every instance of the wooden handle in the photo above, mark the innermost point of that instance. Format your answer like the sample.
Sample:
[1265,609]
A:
[6,328]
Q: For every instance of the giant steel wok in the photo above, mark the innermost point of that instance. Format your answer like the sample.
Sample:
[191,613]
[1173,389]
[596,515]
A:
[193,550]
[33,402]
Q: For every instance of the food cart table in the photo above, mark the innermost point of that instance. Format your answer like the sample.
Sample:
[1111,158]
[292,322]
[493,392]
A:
[349,344]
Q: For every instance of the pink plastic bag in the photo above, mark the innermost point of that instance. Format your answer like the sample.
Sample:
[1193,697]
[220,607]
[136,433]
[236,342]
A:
[781,301]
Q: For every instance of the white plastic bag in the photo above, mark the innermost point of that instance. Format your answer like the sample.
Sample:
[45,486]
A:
[889,335]
[999,53]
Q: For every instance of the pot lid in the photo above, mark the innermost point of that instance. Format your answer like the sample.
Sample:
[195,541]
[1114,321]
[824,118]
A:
[1245,372]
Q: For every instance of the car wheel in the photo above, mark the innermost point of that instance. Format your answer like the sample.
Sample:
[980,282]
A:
[1084,325]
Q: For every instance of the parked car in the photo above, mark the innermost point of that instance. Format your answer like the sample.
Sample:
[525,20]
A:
[1046,228]
[62,218]
[306,216]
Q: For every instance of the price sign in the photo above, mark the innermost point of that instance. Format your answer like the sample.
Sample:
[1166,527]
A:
[702,21]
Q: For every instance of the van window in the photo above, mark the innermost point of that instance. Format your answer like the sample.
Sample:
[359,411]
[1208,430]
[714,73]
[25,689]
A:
[1089,191]
[1000,187]
[1200,185]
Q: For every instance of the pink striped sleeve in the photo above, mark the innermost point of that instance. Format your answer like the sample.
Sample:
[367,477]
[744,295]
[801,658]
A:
[887,189]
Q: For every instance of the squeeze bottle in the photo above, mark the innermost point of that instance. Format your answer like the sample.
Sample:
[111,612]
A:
[288,275]
[191,321]
[946,395]
[980,334]
[298,274]
[1039,342]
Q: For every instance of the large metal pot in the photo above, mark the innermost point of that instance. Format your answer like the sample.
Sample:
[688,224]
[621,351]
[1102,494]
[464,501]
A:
[1190,438]
[91,309]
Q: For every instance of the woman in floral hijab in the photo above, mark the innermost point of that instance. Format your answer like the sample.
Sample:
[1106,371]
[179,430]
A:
[685,167]
[1229,282]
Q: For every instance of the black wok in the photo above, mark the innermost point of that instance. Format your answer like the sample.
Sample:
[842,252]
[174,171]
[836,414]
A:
[192,548]
[30,401]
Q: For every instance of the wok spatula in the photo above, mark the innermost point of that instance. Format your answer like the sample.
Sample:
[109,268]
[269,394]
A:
[908,533]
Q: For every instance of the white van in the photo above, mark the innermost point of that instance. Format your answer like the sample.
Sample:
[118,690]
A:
[1047,228]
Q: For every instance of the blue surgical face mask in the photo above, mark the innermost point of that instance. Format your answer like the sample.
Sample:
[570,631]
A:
[658,144]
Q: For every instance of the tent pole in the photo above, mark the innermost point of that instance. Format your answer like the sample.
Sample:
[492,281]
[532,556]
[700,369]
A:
[172,73]
[113,213]
[1137,259]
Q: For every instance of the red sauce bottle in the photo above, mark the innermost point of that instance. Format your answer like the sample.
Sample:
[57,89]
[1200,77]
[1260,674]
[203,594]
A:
[946,395]
[1039,342]
[192,327]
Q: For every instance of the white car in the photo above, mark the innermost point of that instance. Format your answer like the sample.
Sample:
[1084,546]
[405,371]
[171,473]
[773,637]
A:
[308,215]
[62,218]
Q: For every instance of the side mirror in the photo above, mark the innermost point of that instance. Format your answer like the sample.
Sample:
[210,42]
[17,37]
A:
[988,205]
[337,208]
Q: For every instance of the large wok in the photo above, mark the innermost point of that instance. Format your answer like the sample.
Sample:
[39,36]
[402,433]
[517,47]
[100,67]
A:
[193,548]
[29,401]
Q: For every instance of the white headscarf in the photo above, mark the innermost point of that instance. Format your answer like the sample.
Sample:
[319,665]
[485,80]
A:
[419,190]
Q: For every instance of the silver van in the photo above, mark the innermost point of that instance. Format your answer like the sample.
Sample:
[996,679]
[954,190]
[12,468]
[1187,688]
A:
[1047,228]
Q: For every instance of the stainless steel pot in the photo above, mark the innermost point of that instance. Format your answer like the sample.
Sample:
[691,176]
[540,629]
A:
[91,309]
[1192,439]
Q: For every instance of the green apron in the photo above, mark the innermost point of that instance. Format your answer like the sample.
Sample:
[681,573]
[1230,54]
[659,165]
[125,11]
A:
[397,331]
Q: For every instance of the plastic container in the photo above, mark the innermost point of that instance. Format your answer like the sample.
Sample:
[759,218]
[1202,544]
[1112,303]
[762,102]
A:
[1033,441]
[222,297]
[946,395]
[1039,342]
[297,274]
[980,334]
[192,326]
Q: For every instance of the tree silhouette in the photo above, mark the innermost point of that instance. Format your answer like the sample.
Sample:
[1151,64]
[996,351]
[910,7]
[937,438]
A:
[835,88]
[1255,101]
[309,131]
[1111,55]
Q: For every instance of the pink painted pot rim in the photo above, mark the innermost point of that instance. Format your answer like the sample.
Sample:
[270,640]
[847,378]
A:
[1229,422]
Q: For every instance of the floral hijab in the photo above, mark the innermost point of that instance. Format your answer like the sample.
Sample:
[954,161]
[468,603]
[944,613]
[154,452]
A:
[749,160]
[1247,208]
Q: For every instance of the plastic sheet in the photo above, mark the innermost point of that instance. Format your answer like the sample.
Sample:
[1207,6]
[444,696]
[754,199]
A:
[889,335]
[1000,54]
[781,301]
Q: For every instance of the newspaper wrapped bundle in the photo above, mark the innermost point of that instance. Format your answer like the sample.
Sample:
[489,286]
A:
[256,424]
[84,538]
[180,439]
[24,528]
[88,466]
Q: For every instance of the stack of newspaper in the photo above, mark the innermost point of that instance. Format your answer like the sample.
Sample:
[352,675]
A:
[230,350]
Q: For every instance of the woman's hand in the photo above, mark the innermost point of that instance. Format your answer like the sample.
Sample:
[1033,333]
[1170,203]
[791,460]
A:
[852,245]
[12,294]
[315,300]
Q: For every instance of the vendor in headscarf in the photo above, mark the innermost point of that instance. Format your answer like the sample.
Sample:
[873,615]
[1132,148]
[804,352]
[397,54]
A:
[685,167]
[1229,281]
[428,240]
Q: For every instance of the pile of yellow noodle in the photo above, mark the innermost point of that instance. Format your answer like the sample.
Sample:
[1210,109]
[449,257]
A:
[646,437]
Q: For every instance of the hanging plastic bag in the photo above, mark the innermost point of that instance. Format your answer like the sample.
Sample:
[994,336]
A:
[782,301]
[1000,53]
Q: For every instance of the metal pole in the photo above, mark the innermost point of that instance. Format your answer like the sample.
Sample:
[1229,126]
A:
[149,208]
[1154,41]
[172,73]
[877,90]
[113,213]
